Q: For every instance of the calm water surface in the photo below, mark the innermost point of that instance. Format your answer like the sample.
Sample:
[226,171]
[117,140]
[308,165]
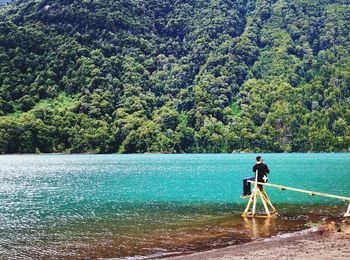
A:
[100,206]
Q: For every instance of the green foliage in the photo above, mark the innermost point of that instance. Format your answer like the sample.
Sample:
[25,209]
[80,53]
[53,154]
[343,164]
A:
[174,76]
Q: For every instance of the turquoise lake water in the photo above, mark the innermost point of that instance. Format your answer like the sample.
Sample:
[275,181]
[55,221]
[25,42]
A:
[78,206]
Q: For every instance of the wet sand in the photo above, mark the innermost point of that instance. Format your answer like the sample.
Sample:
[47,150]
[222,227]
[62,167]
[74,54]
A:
[326,241]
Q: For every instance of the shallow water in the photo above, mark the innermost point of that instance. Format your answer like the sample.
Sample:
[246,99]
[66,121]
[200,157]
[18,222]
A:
[74,206]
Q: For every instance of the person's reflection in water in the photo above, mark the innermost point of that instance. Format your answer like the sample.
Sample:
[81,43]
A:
[259,227]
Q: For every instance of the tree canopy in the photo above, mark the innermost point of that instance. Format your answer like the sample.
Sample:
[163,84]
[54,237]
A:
[129,76]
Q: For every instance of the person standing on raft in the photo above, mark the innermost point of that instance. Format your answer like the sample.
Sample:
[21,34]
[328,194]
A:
[262,170]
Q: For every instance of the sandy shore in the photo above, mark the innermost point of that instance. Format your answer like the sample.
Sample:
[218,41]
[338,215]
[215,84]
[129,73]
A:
[328,241]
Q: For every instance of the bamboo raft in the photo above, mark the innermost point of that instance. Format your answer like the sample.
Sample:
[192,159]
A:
[270,211]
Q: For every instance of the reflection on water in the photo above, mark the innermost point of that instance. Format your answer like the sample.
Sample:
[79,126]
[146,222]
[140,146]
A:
[259,227]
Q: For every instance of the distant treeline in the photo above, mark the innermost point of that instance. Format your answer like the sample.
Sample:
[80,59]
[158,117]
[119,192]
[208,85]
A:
[174,76]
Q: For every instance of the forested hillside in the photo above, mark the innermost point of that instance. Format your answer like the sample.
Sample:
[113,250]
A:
[174,76]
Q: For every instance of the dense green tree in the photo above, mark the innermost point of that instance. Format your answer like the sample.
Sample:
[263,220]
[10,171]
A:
[174,76]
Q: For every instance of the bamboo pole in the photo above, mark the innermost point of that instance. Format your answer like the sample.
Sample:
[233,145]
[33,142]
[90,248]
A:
[264,203]
[347,214]
[255,192]
[248,206]
[312,193]
[268,201]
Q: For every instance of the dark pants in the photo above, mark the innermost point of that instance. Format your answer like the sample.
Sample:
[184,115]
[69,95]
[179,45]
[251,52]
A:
[246,185]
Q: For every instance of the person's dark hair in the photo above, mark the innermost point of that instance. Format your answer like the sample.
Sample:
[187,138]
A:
[258,158]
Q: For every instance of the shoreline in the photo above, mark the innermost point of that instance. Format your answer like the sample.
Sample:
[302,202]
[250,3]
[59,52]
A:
[178,153]
[324,241]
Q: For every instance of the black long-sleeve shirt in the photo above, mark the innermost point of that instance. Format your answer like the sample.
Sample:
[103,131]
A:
[262,169]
